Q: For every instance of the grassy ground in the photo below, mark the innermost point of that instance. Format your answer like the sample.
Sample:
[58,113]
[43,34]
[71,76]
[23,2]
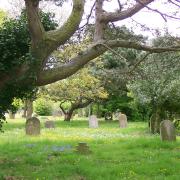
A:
[130,153]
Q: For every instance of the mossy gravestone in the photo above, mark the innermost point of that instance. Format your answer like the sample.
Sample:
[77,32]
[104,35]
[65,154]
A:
[167,131]
[83,148]
[49,124]
[33,126]
[122,120]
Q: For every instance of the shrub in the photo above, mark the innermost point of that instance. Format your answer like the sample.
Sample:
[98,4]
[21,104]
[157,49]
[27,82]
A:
[177,123]
[42,107]
[15,106]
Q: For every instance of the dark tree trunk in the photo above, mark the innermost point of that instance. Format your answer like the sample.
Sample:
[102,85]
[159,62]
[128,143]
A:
[29,108]
[155,124]
[155,120]
[11,115]
[25,109]
[68,116]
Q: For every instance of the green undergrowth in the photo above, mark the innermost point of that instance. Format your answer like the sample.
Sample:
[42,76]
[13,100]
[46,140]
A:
[116,154]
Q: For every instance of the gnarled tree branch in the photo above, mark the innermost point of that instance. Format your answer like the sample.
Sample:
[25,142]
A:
[116,16]
[58,37]
[35,26]
[76,63]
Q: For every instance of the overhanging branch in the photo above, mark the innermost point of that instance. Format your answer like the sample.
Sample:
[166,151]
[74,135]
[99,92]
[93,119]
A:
[120,15]
[76,63]
[58,37]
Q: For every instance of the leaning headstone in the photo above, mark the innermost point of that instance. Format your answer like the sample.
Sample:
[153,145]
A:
[49,124]
[82,148]
[122,120]
[167,131]
[93,122]
[33,126]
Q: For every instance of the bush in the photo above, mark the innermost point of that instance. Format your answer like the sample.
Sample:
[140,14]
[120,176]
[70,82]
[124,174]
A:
[15,106]
[177,124]
[42,107]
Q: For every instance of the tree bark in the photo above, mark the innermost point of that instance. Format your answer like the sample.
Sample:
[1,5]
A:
[155,121]
[29,108]
[11,115]
[25,109]
[99,24]
[79,61]
[68,116]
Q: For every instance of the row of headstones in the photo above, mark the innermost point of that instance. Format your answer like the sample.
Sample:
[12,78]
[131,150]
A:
[93,121]
[167,129]
[33,124]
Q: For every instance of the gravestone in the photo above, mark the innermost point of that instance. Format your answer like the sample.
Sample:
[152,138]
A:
[122,120]
[49,124]
[33,126]
[93,122]
[167,131]
[82,148]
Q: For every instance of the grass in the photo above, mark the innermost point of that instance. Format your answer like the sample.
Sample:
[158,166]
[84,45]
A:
[130,153]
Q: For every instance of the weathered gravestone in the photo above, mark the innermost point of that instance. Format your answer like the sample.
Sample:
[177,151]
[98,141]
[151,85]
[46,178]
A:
[167,131]
[49,124]
[83,148]
[93,122]
[33,126]
[122,120]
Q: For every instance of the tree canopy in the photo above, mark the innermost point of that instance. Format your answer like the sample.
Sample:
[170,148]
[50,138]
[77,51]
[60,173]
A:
[15,43]
[32,67]
[156,84]
[75,92]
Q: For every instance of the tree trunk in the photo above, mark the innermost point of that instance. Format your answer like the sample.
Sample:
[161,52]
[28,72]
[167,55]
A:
[155,121]
[90,110]
[29,108]
[25,109]
[68,116]
[155,124]
[80,113]
[11,115]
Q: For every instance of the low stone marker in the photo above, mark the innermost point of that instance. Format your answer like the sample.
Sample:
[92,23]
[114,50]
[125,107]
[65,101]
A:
[122,120]
[82,148]
[93,122]
[49,124]
[33,126]
[167,131]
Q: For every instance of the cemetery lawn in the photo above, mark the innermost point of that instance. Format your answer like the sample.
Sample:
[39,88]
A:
[130,153]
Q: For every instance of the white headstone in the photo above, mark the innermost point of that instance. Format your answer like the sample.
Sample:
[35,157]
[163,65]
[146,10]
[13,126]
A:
[93,122]
[122,120]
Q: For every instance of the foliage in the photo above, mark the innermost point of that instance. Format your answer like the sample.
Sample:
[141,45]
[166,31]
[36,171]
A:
[15,43]
[76,92]
[17,103]
[159,85]
[156,86]
[113,70]
[42,107]
[2,16]
[177,123]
